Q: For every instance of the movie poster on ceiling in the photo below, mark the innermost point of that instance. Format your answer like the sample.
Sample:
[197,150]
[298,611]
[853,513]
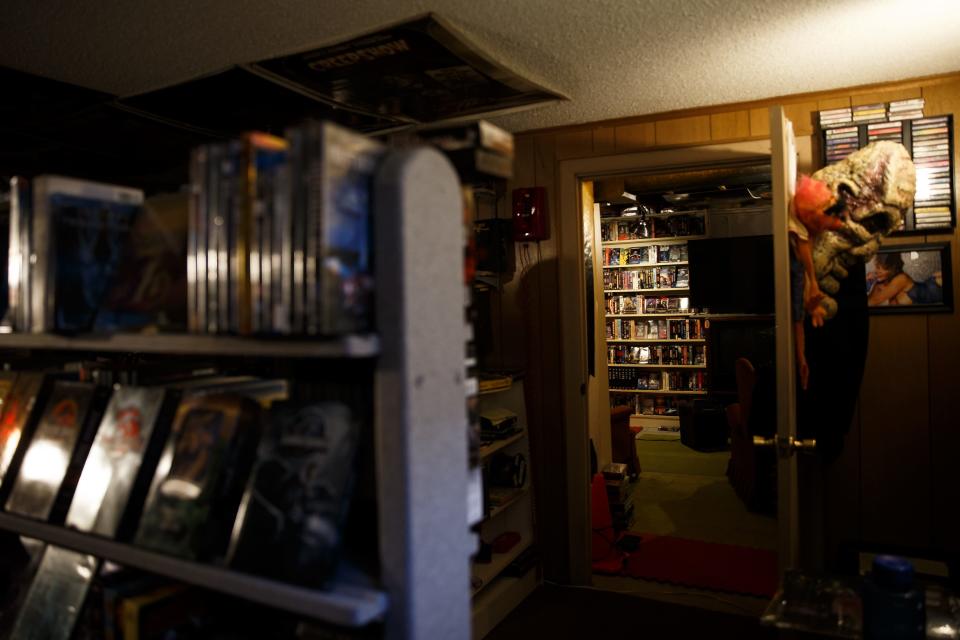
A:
[419,71]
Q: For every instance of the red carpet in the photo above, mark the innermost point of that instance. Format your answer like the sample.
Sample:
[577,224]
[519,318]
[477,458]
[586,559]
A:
[704,565]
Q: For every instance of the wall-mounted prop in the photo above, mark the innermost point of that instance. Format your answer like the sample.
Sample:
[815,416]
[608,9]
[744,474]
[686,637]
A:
[837,220]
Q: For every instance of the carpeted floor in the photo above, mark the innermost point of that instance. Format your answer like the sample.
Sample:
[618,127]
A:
[573,612]
[708,565]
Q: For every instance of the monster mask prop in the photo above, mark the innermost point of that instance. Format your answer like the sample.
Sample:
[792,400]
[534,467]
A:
[874,188]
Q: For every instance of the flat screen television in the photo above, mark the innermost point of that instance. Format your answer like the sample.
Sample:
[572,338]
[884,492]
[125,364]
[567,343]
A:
[732,275]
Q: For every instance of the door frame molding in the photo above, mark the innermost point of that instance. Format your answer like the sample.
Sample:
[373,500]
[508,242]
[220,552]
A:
[572,312]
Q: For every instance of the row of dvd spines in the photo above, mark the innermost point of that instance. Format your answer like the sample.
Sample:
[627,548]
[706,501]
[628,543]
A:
[630,379]
[645,255]
[635,279]
[689,355]
[642,228]
[621,329]
[630,305]
[279,233]
[646,405]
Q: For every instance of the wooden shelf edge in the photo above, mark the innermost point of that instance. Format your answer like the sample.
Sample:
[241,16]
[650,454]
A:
[645,241]
[645,265]
[489,572]
[351,346]
[488,450]
[350,605]
[659,366]
[663,290]
[665,316]
[641,340]
[660,392]
[514,499]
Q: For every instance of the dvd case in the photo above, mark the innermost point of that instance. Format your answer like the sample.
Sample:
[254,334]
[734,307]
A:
[55,597]
[266,158]
[122,461]
[149,290]
[339,168]
[58,446]
[18,256]
[198,485]
[197,241]
[16,425]
[82,227]
[290,521]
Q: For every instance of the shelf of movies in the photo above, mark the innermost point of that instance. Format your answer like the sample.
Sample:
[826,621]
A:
[650,255]
[658,330]
[179,479]
[662,382]
[676,226]
[664,304]
[254,249]
[659,356]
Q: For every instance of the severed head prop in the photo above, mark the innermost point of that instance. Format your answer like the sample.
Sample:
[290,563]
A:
[874,189]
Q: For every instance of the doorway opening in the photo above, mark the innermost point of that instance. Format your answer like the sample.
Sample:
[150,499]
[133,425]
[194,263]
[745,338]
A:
[680,356]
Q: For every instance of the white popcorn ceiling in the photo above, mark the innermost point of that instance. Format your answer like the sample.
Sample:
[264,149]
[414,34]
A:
[612,58]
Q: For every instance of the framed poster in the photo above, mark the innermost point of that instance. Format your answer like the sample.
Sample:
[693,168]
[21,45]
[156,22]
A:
[910,279]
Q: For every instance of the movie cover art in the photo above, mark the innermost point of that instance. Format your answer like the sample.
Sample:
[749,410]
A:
[119,467]
[339,274]
[51,450]
[17,407]
[294,509]
[55,597]
[90,236]
[150,288]
[199,481]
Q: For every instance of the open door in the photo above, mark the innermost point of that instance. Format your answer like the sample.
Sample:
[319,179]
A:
[783,156]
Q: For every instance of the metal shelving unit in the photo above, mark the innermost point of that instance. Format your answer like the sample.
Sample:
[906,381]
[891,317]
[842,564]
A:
[420,423]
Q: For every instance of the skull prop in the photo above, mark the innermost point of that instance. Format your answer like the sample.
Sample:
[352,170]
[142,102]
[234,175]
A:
[874,188]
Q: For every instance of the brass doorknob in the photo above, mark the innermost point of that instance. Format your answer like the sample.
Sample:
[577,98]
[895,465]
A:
[786,446]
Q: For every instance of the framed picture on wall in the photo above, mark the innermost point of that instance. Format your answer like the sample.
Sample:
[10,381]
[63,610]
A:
[910,279]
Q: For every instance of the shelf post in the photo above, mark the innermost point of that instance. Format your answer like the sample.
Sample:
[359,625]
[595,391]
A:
[421,422]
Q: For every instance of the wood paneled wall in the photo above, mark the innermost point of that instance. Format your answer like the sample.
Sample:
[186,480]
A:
[898,481]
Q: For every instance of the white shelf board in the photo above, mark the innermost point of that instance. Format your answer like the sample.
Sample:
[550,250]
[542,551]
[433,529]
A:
[499,561]
[488,450]
[659,366]
[494,604]
[345,604]
[662,290]
[514,499]
[654,216]
[645,265]
[687,340]
[653,416]
[665,316]
[660,392]
[645,241]
[351,346]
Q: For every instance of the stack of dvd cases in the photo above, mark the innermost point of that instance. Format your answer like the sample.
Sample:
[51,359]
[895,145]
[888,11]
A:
[67,238]
[279,237]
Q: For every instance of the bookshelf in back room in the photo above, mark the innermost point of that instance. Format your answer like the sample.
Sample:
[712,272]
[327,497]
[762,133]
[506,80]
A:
[657,343]
[656,349]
